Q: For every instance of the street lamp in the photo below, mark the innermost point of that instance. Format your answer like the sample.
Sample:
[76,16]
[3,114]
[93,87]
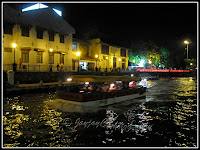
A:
[14,64]
[187,43]
[96,61]
[51,50]
[78,54]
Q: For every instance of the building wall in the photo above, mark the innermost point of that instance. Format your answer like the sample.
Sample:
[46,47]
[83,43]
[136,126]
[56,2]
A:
[32,42]
[114,51]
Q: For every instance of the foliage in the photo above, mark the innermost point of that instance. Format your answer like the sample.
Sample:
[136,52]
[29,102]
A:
[150,52]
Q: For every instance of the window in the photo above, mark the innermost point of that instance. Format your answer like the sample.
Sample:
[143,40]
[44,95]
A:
[51,36]
[25,56]
[123,52]
[8,28]
[62,58]
[51,58]
[62,38]
[25,31]
[7,49]
[39,57]
[105,49]
[74,46]
[123,60]
[39,33]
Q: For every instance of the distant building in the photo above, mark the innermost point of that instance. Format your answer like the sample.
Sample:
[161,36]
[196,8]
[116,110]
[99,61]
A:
[95,53]
[43,39]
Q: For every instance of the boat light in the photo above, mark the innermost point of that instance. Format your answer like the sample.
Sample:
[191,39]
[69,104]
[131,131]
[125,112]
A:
[112,84]
[69,79]
[132,75]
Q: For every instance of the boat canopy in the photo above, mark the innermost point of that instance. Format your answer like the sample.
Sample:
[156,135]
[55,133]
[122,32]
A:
[90,78]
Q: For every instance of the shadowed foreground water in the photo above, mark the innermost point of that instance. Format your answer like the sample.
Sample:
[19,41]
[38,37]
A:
[166,117]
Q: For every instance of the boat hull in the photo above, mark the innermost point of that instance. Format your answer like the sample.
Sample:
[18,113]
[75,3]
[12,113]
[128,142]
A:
[74,106]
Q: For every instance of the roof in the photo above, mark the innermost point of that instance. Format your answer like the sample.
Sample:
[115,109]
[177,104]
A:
[45,18]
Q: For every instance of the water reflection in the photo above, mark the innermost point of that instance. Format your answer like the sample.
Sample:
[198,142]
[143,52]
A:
[165,117]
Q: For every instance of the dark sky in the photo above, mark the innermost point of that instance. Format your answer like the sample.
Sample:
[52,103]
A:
[166,24]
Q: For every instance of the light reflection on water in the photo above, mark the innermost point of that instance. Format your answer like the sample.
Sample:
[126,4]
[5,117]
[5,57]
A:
[165,117]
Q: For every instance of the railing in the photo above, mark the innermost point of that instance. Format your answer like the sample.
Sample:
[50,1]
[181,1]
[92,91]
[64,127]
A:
[38,68]
[55,68]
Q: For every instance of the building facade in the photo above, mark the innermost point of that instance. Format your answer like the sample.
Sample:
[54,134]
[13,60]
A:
[43,40]
[96,54]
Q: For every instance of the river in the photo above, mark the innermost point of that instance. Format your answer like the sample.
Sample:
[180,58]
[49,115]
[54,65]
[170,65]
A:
[166,117]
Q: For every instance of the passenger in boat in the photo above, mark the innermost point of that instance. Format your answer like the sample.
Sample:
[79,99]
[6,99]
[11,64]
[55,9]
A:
[90,88]
[132,85]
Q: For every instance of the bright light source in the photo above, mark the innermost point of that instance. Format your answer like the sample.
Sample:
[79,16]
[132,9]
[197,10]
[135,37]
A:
[86,82]
[36,6]
[134,61]
[14,45]
[145,79]
[58,11]
[141,64]
[132,75]
[149,61]
[69,79]
[112,84]
[106,57]
[96,56]
[186,42]
[191,64]
[51,50]
[119,59]
[78,54]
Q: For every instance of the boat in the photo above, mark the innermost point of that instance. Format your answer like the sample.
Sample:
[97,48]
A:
[75,96]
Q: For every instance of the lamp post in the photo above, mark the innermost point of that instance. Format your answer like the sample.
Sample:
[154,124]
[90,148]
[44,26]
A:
[106,63]
[96,61]
[187,43]
[78,54]
[14,64]
[150,63]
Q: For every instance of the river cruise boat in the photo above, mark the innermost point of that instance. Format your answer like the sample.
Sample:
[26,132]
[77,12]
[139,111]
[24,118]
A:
[97,91]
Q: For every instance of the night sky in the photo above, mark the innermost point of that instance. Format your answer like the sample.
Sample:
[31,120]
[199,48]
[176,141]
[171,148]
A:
[165,24]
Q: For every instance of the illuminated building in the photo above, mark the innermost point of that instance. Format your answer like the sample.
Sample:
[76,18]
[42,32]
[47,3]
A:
[43,39]
[109,56]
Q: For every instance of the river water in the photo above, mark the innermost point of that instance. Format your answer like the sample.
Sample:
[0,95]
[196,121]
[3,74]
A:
[166,117]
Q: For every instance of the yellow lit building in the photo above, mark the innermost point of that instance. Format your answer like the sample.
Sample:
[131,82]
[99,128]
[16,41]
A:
[40,41]
[95,53]
[43,40]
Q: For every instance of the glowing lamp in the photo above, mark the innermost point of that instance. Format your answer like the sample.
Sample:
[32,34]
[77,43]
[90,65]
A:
[112,84]
[186,42]
[51,50]
[119,59]
[106,57]
[69,79]
[78,54]
[96,56]
[14,45]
